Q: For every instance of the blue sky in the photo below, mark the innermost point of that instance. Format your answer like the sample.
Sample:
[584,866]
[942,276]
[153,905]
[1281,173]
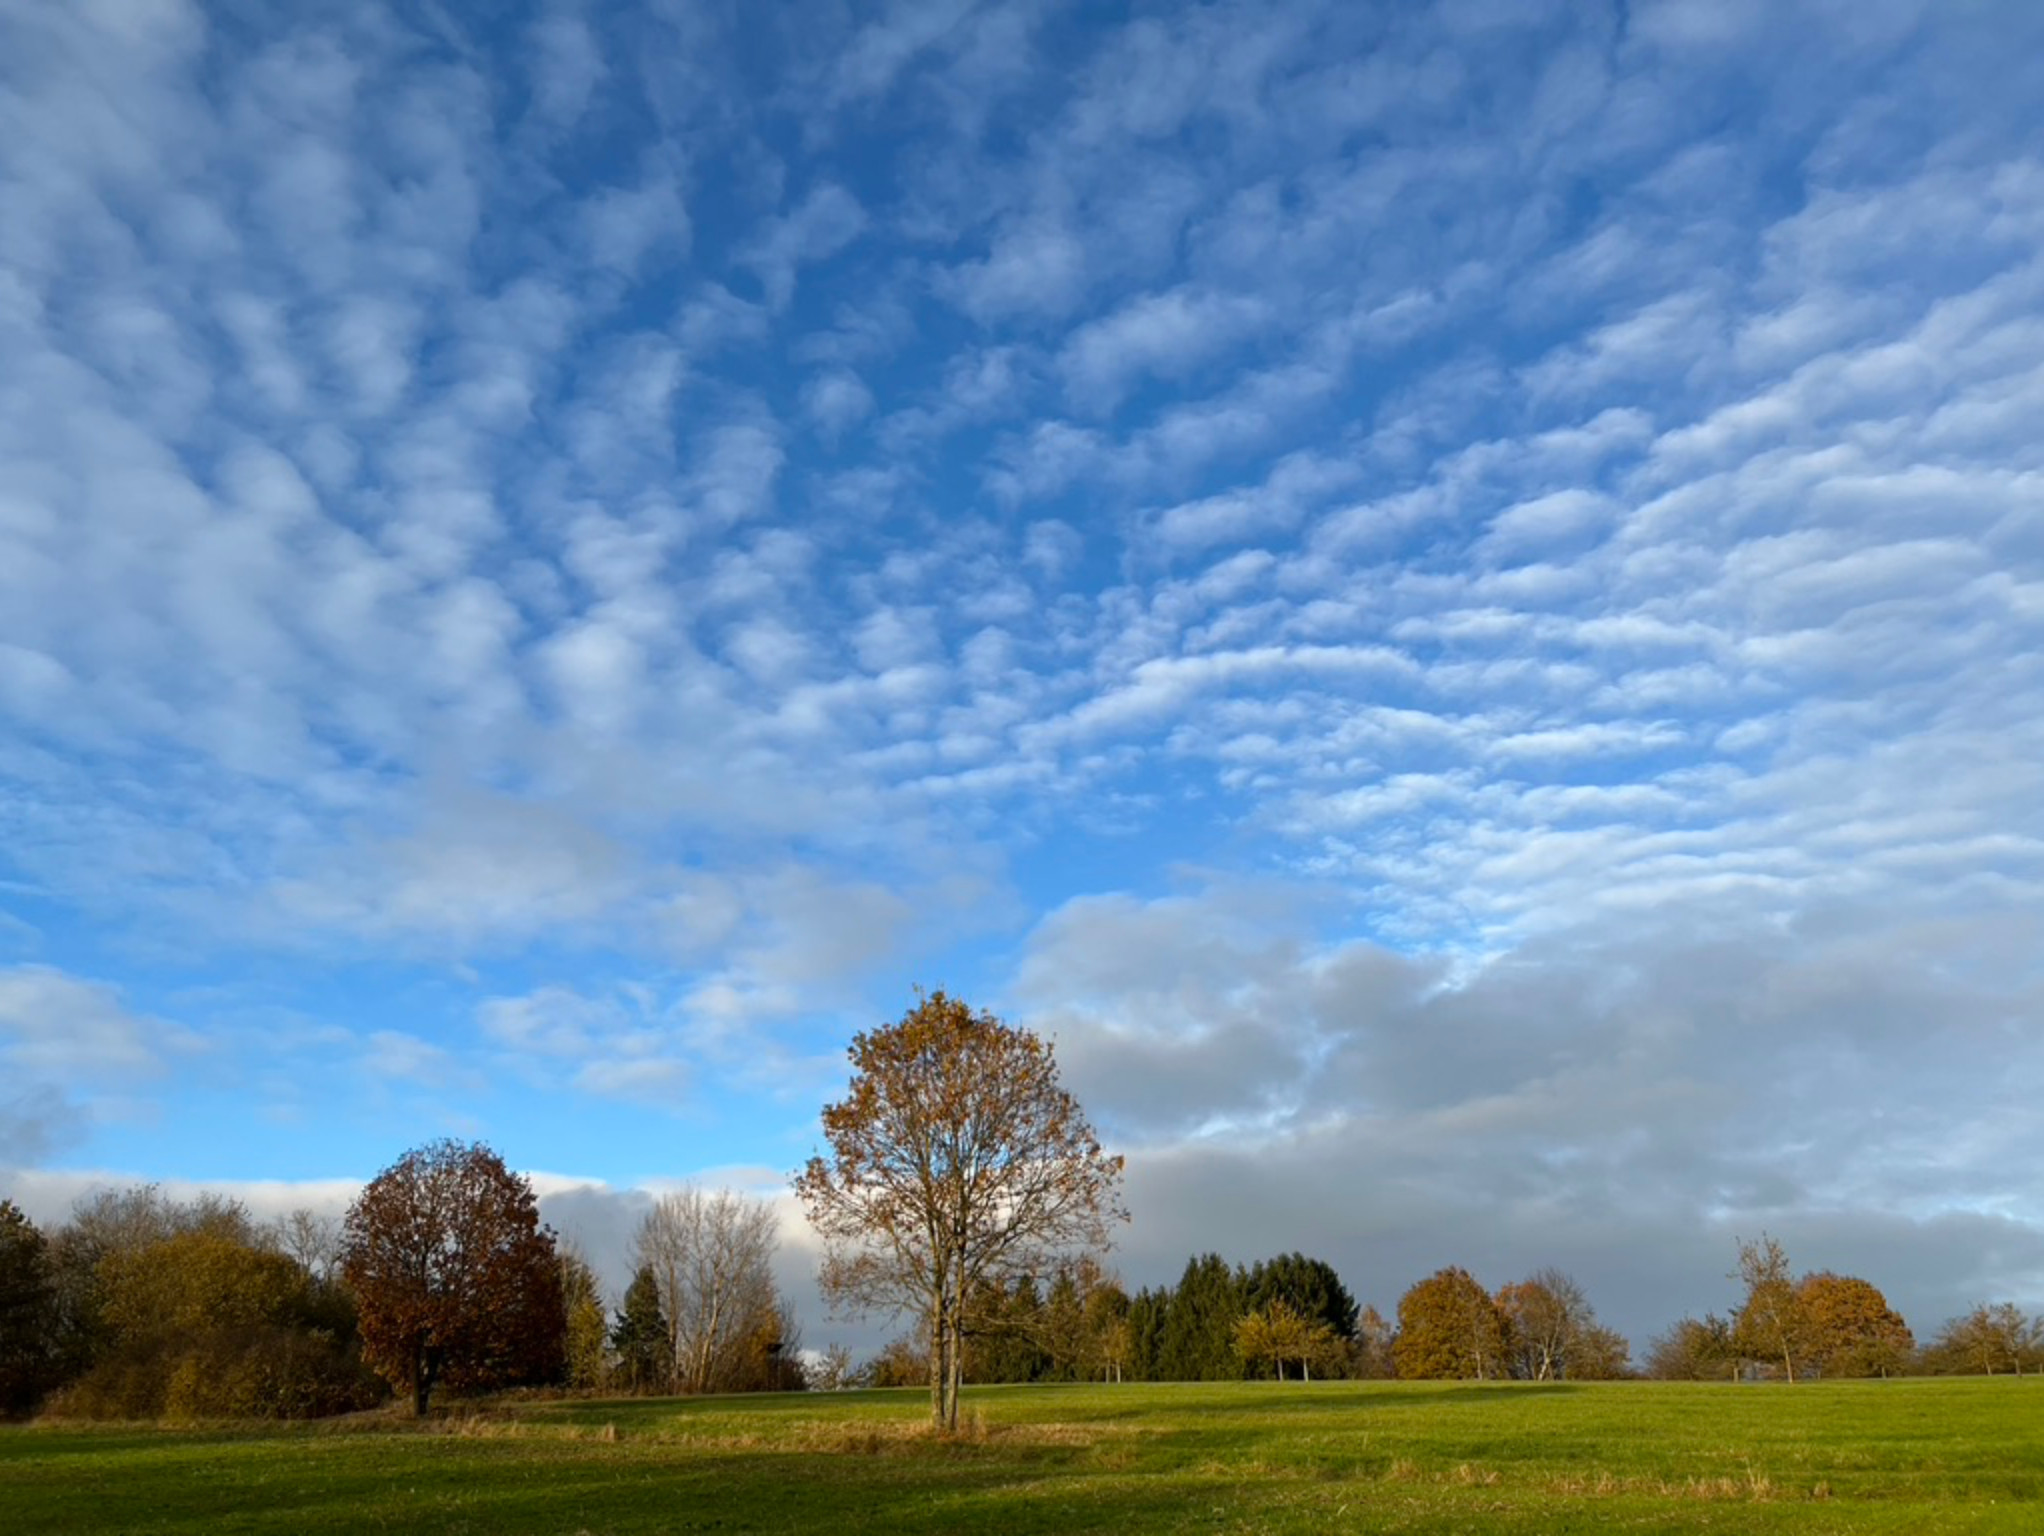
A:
[1450,596]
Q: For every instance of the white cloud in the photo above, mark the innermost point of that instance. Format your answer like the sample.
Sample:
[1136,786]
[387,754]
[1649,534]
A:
[58,1028]
[1565,488]
[827,220]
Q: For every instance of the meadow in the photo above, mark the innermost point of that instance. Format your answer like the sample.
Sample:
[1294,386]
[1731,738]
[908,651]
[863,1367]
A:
[1916,1456]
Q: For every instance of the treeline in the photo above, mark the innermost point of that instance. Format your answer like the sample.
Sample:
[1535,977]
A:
[439,1277]
[1823,1324]
[1291,1317]
[1288,1317]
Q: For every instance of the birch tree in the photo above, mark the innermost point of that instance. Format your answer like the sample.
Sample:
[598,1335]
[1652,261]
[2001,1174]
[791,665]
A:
[711,1256]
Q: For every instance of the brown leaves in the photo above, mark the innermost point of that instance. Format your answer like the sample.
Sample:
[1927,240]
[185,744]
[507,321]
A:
[455,1277]
[957,1159]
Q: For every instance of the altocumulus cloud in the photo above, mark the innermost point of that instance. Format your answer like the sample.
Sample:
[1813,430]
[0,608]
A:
[1450,596]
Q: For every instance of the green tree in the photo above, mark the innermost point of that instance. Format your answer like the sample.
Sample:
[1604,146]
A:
[957,1157]
[1310,1287]
[1146,1315]
[1006,1333]
[640,1336]
[1198,1342]
[28,1313]
[1277,1333]
[1449,1329]
[586,1347]
[456,1279]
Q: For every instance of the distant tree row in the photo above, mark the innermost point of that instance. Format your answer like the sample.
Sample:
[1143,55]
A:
[1823,1324]
[1292,1317]
[441,1275]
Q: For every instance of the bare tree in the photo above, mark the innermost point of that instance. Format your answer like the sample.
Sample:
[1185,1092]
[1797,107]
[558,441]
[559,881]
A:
[310,1238]
[958,1162]
[711,1255]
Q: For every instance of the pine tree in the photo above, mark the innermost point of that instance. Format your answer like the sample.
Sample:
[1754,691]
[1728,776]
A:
[1199,1326]
[645,1361]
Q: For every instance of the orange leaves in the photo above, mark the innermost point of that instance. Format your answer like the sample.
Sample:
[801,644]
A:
[957,1159]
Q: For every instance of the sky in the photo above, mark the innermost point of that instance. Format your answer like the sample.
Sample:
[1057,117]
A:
[1449,597]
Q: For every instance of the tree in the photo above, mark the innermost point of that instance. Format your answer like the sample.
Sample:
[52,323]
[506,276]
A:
[1448,1328]
[28,1313]
[1988,1340]
[1694,1349]
[586,1345]
[107,1222]
[456,1279]
[1551,1331]
[902,1362]
[1198,1338]
[1105,1339]
[711,1256]
[203,1324]
[1370,1357]
[1005,1333]
[1850,1328]
[1278,1332]
[957,1158]
[645,1351]
[310,1238]
[1770,1324]
[1146,1315]
[1310,1287]
[830,1371]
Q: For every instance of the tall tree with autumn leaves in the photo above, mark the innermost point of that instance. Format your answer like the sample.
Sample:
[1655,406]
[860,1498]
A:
[958,1160]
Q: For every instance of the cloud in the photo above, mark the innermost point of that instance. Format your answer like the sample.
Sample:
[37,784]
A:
[827,220]
[584,553]
[1586,1100]
[58,1027]
[1165,334]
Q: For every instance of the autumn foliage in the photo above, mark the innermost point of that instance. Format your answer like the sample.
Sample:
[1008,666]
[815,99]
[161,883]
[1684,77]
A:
[457,1281]
[958,1162]
[1849,1329]
[1449,1327]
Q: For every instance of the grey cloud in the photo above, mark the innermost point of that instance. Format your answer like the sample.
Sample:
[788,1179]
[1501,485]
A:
[1619,1101]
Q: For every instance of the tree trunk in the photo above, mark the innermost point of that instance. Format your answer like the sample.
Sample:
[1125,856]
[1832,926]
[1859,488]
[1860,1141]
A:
[422,1379]
[938,1373]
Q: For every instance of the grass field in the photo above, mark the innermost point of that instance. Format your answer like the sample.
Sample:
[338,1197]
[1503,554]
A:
[1916,1456]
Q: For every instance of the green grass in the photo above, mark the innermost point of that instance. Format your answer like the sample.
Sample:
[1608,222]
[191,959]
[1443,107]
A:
[1916,1456]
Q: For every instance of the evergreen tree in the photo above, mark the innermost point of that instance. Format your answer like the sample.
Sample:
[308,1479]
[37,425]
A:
[1146,1316]
[645,1360]
[1006,1342]
[1199,1327]
[1310,1287]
